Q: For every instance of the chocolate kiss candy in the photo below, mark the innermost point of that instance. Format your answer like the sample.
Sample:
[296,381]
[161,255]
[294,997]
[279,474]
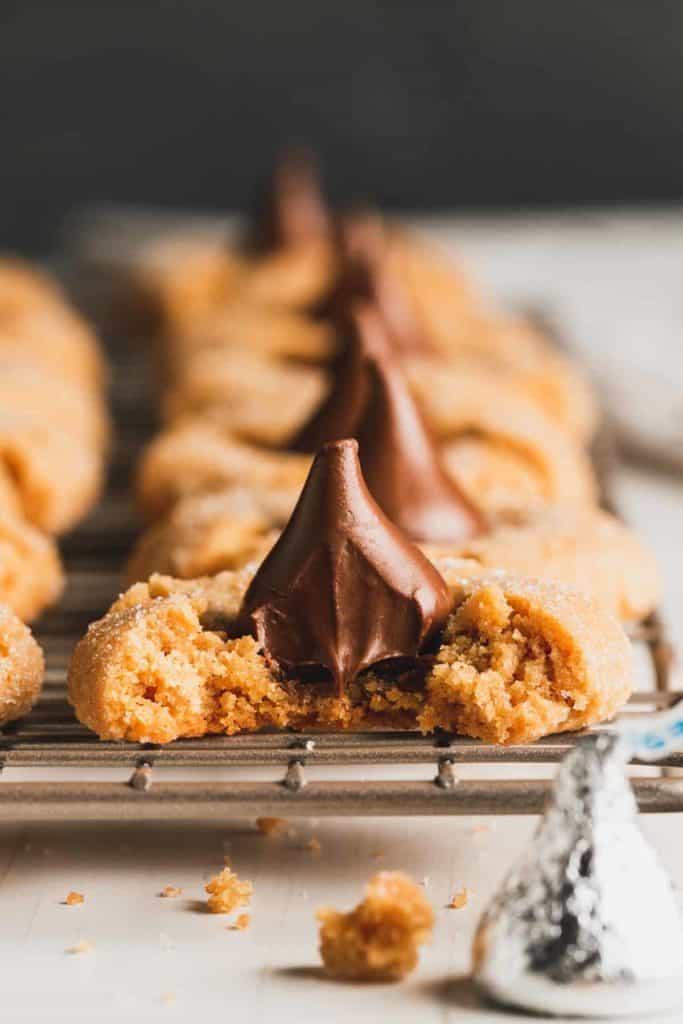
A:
[295,211]
[399,457]
[367,276]
[587,923]
[343,588]
[340,412]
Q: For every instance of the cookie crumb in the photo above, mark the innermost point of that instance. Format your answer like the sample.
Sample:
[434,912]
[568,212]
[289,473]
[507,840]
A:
[73,898]
[459,899]
[314,845]
[241,923]
[84,946]
[170,892]
[227,892]
[168,998]
[379,939]
[479,829]
[271,826]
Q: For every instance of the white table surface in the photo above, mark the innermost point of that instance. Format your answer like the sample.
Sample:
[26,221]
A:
[157,959]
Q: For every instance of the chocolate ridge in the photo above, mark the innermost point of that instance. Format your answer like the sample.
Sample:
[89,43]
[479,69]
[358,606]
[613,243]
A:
[343,588]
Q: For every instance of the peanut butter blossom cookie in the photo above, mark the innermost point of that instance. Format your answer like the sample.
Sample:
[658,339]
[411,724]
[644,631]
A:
[502,452]
[492,348]
[405,471]
[285,261]
[347,624]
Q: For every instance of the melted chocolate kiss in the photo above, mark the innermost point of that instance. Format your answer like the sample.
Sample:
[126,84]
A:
[367,276]
[294,211]
[400,458]
[340,412]
[343,588]
[370,400]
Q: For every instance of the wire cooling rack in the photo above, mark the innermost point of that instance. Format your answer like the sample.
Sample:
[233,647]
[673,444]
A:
[34,750]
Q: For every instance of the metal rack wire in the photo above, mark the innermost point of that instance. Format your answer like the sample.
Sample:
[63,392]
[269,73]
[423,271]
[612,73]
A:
[51,738]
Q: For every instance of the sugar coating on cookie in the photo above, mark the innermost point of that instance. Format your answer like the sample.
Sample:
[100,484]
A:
[517,660]
[21,667]
[379,939]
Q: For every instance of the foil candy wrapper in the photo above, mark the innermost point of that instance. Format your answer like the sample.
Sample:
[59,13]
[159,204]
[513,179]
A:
[587,923]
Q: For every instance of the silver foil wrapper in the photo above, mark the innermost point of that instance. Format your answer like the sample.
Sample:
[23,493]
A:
[586,924]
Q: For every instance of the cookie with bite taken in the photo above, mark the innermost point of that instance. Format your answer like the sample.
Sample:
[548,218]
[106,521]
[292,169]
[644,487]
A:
[347,625]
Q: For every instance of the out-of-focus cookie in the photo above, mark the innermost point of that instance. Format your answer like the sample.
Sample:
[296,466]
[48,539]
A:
[239,386]
[177,279]
[30,390]
[286,262]
[207,533]
[22,667]
[289,248]
[51,478]
[246,390]
[242,327]
[503,452]
[198,457]
[586,549]
[517,351]
[57,340]
[23,286]
[31,577]
[517,660]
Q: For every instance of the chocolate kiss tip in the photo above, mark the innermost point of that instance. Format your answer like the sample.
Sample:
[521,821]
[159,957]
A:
[340,412]
[295,211]
[368,275]
[400,458]
[343,588]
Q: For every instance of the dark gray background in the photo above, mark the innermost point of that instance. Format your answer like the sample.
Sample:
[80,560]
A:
[472,103]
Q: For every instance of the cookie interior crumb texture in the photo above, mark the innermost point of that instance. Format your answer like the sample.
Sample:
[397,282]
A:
[379,939]
[227,892]
[517,660]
